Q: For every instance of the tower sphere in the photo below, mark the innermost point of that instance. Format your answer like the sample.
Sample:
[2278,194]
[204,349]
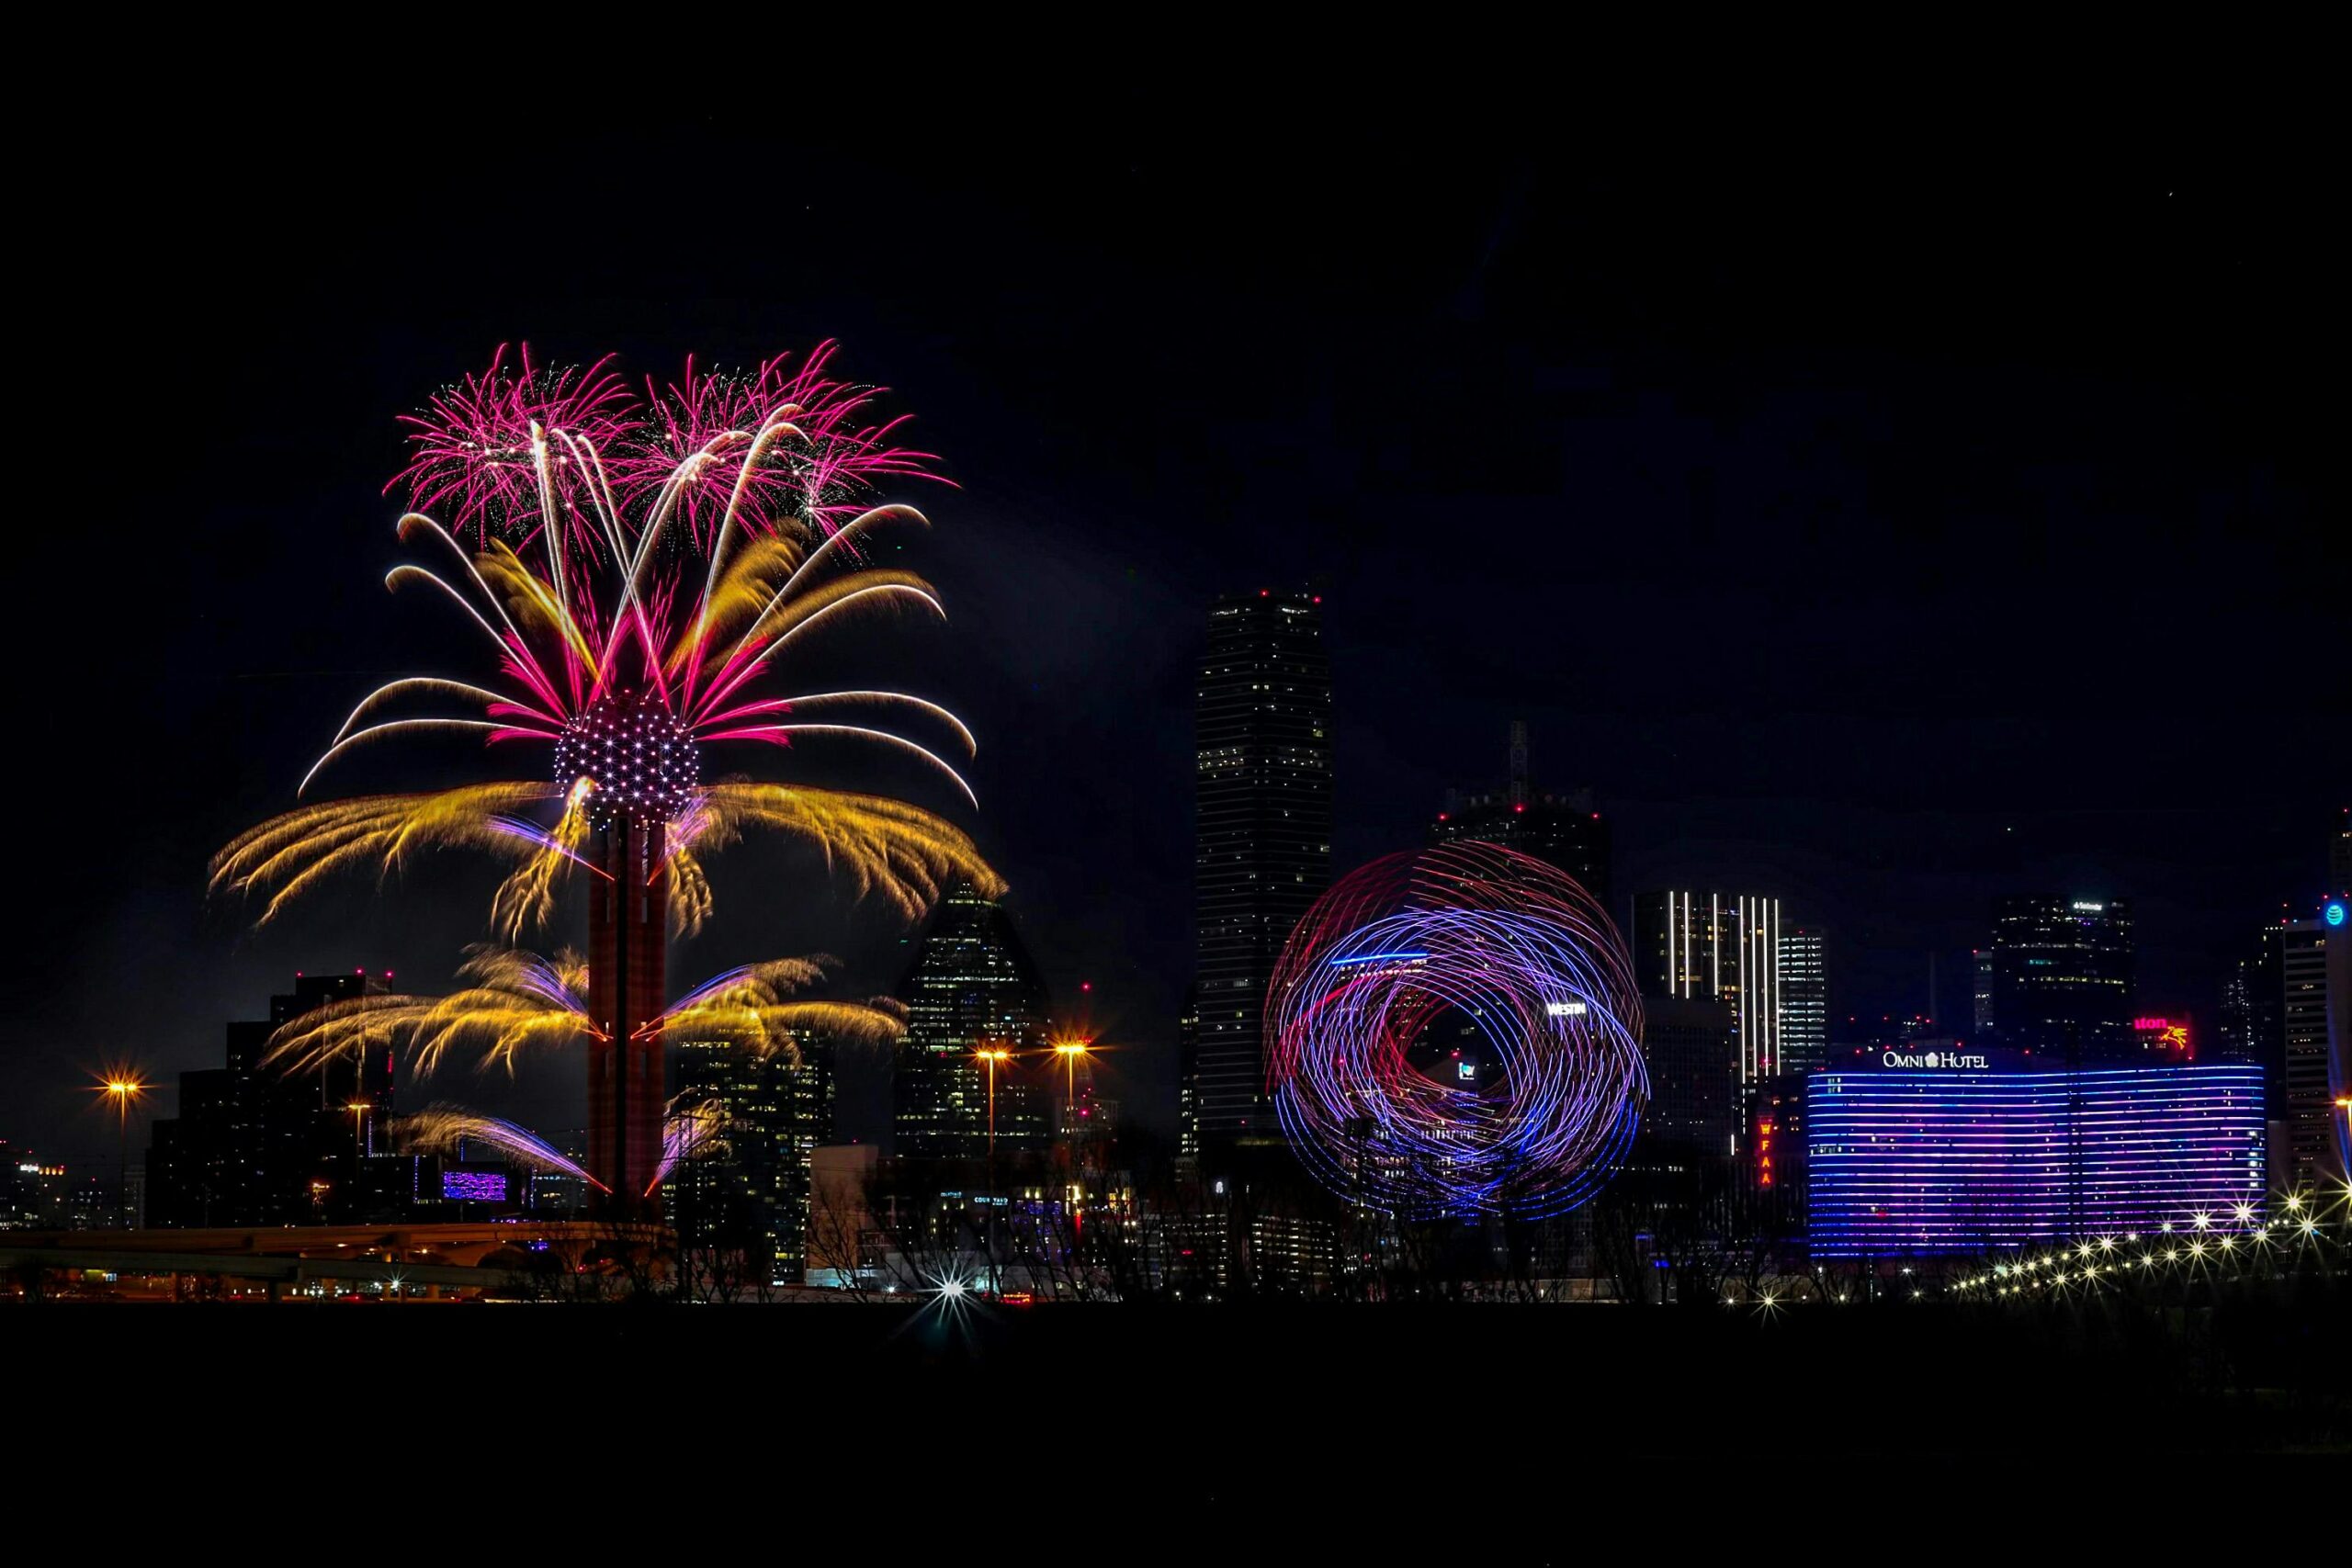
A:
[640,761]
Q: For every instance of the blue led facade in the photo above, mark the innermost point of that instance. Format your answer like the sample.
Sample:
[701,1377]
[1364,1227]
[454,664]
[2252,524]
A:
[1945,1161]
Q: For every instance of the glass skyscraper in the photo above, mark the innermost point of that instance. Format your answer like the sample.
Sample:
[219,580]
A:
[2305,1099]
[1720,947]
[2062,979]
[1804,999]
[256,1145]
[2253,1024]
[1262,790]
[753,1194]
[971,983]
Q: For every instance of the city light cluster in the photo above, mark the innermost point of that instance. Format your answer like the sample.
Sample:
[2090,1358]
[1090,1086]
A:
[1516,945]
[2199,1245]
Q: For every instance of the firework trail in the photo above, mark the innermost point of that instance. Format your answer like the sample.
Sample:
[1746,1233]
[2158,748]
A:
[692,1129]
[517,1001]
[446,1130]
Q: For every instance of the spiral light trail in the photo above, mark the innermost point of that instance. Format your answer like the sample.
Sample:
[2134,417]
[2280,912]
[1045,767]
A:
[1521,949]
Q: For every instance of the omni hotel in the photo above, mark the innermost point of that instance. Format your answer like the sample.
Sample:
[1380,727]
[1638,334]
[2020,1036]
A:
[1950,1152]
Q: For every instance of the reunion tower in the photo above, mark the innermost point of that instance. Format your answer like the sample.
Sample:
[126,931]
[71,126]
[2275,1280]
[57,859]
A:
[631,765]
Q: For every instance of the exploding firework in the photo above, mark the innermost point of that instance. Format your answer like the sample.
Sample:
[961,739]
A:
[484,449]
[785,440]
[519,449]
[637,625]
[1515,945]
[641,571]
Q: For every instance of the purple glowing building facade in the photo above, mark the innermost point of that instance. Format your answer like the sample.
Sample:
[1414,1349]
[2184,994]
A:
[1944,1154]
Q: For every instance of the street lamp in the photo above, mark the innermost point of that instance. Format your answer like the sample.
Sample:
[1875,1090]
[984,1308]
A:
[1069,1051]
[991,1057]
[358,1109]
[122,1087]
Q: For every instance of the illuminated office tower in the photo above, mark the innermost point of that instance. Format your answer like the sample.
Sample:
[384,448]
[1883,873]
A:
[1804,999]
[971,984]
[1262,790]
[1687,1050]
[2309,1080]
[2253,1023]
[2062,979]
[1719,947]
[1563,829]
[2339,856]
[254,1144]
[752,1195]
[1188,1063]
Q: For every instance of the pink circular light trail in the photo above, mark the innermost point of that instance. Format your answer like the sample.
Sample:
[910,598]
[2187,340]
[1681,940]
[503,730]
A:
[1524,952]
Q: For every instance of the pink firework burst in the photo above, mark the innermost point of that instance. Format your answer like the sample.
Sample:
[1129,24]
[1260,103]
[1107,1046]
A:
[663,557]
[783,442]
[481,448]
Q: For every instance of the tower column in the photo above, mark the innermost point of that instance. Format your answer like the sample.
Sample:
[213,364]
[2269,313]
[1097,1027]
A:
[628,952]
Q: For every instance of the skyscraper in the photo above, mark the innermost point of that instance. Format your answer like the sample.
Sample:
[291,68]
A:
[1563,829]
[2253,1025]
[253,1146]
[1688,1050]
[1722,947]
[1804,999]
[2307,1103]
[2339,856]
[1262,788]
[971,983]
[753,1195]
[2062,984]
[1188,1060]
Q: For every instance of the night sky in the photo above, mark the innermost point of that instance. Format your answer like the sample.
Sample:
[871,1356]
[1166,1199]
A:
[1886,534]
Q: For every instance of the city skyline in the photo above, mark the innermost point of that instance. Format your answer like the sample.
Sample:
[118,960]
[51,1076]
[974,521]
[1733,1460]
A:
[1885,764]
[1397,796]
[2211,1015]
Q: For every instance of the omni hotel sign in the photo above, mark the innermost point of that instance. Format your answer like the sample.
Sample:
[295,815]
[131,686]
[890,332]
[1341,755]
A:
[1939,1060]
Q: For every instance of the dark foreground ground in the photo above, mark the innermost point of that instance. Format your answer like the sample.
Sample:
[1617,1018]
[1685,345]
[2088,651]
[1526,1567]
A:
[1201,1411]
[1147,1435]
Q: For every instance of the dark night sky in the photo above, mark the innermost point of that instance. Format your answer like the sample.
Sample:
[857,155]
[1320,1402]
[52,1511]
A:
[1888,533]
